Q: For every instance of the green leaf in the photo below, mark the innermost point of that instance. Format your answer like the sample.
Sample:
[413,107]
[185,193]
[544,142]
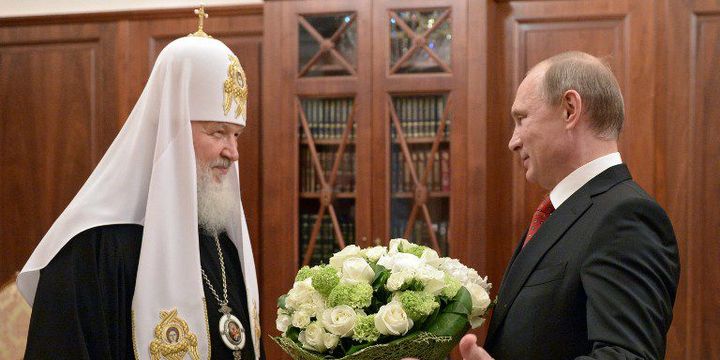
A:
[292,333]
[453,319]
[430,319]
[355,348]
[281,302]
[381,276]
[412,285]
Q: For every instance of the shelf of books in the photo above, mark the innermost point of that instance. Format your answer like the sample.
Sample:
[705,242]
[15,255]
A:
[420,169]
[327,177]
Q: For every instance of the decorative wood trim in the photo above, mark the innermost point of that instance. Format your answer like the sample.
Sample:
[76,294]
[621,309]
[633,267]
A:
[152,14]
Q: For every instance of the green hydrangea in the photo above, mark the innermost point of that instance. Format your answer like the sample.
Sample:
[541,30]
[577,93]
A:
[414,249]
[324,279]
[417,304]
[305,272]
[365,330]
[357,296]
[452,286]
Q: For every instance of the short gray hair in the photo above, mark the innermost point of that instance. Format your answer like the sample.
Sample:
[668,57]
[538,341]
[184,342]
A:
[596,84]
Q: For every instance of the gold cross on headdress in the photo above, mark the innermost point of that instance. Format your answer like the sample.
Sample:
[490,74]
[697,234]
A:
[202,15]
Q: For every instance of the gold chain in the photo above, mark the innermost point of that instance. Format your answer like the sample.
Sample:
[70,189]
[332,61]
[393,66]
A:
[224,279]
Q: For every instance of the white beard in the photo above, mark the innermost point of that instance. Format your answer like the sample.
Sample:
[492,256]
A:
[217,206]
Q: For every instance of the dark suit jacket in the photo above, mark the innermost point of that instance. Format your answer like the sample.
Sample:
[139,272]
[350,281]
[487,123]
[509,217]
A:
[597,281]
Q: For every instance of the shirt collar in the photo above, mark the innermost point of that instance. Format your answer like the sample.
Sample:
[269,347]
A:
[573,182]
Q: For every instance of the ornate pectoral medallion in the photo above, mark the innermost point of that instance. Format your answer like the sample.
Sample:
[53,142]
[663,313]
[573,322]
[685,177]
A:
[232,332]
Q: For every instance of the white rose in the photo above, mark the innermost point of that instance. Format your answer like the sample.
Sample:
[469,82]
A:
[330,341]
[385,261]
[304,297]
[301,293]
[283,320]
[300,319]
[396,245]
[315,306]
[357,270]
[339,320]
[476,322]
[313,337]
[374,253]
[339,258]
[460,272]
[484,283]
[432,278]
[391,319]
[429,255]
[401,262]
[397,279]
[404,262]
[480,303]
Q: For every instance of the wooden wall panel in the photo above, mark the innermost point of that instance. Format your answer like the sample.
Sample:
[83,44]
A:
[688,113]
[704,251]
[275,216]
[54,125]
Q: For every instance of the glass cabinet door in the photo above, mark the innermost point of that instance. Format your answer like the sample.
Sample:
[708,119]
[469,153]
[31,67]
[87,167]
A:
[327,177]
[418,124]
[420,169]
[326,135]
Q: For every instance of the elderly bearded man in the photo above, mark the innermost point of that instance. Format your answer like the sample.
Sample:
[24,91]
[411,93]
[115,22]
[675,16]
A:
[152,257]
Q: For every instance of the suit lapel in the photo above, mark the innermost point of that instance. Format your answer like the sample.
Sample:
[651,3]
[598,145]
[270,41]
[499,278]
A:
[524,262]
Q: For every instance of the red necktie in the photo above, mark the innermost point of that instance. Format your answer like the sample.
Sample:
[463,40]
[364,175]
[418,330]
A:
[541,214]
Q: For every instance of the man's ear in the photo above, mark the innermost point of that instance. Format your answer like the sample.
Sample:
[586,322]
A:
[572,108]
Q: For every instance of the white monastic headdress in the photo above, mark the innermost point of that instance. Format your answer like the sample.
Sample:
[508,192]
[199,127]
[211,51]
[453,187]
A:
[148,177]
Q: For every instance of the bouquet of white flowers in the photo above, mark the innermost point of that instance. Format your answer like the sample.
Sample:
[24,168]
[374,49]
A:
[381,303]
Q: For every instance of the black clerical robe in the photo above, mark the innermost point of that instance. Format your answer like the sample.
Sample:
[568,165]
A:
[82,307]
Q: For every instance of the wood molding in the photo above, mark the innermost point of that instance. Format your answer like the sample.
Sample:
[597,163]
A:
[152,14]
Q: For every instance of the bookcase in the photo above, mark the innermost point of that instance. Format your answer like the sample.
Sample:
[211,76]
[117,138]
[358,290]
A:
[365,131]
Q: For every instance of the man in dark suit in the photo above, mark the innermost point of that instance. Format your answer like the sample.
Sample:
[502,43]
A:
[596,274]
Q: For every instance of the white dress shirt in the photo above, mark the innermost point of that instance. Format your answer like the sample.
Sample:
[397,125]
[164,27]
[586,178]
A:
[573,182]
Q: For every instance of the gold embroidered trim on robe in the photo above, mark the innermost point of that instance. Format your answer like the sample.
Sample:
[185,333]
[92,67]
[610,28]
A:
[173,338]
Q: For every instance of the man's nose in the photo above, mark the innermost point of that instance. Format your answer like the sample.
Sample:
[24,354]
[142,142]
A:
[514,143]
[230,151]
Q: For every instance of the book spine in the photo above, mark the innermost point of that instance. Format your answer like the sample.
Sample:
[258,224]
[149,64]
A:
[445,169]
